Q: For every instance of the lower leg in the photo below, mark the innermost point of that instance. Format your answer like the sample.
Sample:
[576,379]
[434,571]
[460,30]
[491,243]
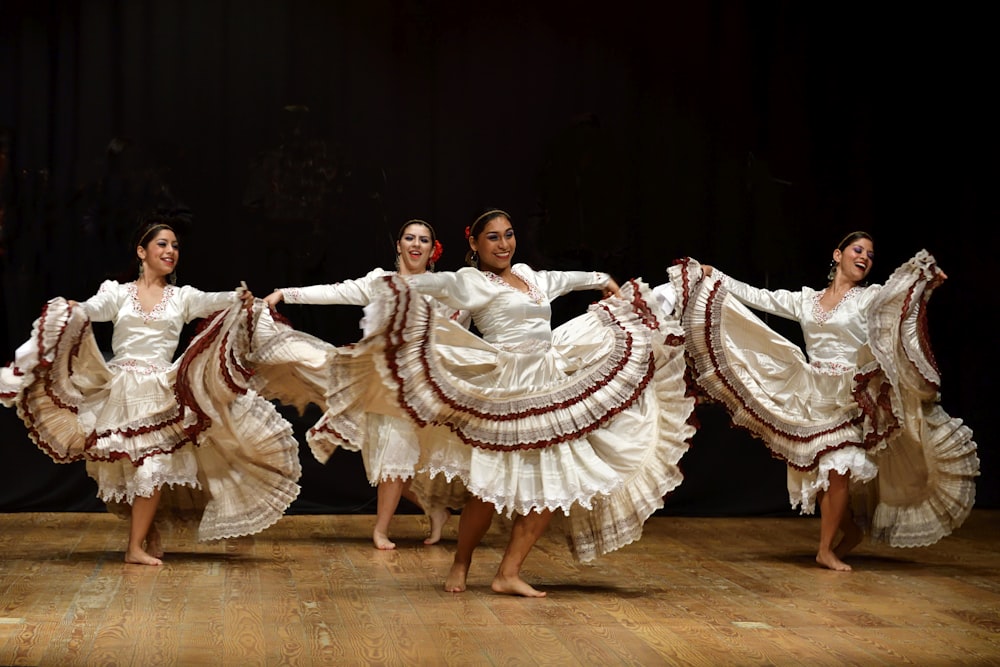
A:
[472,526]
[833,510]
[526,531]
[438,516]
[154,543]
[143,511]
[851,534]
[389,492]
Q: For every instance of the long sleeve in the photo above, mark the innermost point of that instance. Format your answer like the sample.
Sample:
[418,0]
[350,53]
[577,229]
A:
[201,304]
[557,283]
[103,306]
[465,289]
[346,293]
[782,303]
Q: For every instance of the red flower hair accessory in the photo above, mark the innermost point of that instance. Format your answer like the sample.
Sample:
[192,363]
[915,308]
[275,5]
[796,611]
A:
[436,253]
[468,233]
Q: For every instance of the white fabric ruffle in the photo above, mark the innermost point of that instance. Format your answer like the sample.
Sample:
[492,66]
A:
[912,466]
[592,426]
[221,453]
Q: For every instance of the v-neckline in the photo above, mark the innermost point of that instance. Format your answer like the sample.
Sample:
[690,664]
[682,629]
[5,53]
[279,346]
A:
[820,311]
[156,309]
[532,293]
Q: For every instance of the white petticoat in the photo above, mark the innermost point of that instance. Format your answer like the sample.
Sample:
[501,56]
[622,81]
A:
[912,466]
[592,426]
[222,455]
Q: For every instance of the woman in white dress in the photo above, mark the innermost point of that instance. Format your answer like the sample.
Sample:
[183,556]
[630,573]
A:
[585,423]
[165,439]
[856,418]
[387,440]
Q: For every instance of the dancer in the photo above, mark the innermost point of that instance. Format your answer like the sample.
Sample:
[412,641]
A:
[184,440]
[857,420]
[586,422]
[389,448]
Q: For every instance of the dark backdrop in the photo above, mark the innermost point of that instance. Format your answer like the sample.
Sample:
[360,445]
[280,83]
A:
[298,136]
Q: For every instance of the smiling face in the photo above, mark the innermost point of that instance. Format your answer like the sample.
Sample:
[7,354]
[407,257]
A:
[855,261]
[495,244]
[414,247]
[160,255]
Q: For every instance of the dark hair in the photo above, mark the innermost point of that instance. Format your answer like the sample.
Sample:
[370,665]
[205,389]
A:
[846,241]
[416,221]
[435,246]
[476,228]
[148,230]
[852,237]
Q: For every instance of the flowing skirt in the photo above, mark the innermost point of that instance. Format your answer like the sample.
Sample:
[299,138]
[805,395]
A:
[592,426]
[293,367]
[221,454]
[912,466]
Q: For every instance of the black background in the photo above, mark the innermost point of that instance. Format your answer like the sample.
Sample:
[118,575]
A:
[620,136]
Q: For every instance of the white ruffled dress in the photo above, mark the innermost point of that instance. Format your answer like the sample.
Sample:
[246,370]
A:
[193,427]
[589,420]
[864,401]
[292,367]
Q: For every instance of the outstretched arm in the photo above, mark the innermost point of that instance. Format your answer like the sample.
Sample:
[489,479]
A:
[274,298]
[355,292]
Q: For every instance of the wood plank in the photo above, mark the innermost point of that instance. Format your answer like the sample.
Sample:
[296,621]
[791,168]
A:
[313,591]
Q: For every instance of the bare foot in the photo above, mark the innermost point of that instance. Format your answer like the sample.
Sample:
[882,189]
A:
[829,560]
[140,557]
[154,545]
[852,538]
[455,583]
[515,586]
[382,541]
[438,519]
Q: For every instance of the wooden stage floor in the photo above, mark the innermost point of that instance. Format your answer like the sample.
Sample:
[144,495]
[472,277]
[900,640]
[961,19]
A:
[313,591]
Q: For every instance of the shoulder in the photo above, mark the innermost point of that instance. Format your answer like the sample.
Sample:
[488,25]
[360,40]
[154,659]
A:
[183,292]
[376,273]
[112,289]
[870,292]
[112,286]
[466,272]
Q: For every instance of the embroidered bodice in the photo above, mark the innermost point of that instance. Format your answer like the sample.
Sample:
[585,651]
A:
[832,337]
[148,340]
[504,315]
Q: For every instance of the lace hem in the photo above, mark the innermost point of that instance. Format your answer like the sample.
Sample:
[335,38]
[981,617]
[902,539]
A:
[245,448]
[919,463]
[604,486]
[60,412]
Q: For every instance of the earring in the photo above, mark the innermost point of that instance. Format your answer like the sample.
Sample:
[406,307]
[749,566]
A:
[397,261]
[475,258]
